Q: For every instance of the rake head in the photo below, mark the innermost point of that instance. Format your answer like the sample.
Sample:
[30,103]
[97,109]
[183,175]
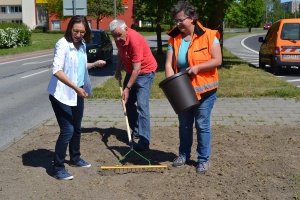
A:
[135,168]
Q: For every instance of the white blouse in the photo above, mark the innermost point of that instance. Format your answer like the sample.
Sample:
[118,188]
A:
[65,59]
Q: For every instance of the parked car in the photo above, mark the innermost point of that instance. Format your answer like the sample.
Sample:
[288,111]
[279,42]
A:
[101,47]
[280,49]
[267,26]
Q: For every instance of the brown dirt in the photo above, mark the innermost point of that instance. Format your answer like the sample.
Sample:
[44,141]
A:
[248,162]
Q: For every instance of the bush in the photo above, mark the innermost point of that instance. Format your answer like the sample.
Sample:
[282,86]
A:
[14,35]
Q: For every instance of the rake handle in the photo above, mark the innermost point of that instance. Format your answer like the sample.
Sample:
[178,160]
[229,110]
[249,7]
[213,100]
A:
[125,114]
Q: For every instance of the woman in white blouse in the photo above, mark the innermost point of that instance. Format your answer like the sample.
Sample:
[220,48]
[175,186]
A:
[68,86]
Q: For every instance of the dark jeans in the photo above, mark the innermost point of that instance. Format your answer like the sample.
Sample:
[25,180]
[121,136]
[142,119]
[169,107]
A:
[69,120]
[137,106]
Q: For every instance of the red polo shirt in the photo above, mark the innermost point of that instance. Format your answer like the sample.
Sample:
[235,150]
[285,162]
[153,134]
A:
[136,49]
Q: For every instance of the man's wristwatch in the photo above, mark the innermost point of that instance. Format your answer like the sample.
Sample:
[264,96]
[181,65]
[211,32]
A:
[128,88]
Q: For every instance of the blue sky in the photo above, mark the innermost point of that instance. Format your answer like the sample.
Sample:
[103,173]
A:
[282,1]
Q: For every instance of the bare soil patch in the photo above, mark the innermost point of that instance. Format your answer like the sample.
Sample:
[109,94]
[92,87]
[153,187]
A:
[248,162]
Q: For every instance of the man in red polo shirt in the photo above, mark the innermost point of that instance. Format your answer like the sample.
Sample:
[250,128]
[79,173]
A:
[140,66]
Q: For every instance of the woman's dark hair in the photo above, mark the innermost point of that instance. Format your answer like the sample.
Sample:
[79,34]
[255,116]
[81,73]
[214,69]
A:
[78,19]
[188,9]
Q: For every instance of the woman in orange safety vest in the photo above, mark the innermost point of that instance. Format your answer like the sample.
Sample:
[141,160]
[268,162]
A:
[196,50]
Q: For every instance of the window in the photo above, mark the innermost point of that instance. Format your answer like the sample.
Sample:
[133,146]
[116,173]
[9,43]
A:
[41,14]
[15,9]
[290,31]
[3,10]
[55,25]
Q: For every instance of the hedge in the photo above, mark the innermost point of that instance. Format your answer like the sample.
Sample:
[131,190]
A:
[14,35]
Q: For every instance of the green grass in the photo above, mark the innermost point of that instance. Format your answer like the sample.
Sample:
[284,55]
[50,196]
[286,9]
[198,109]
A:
[237,78]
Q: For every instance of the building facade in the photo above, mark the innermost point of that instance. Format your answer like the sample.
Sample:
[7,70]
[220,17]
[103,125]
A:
[36,16]
[291,6]
[11,11]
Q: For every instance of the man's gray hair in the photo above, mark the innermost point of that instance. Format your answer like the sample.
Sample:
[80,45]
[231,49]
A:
[116,23]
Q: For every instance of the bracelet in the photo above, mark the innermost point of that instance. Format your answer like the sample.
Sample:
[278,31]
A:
[128,88]
[94,65]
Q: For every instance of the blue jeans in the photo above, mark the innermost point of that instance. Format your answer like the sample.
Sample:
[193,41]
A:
[201,114]
[137,106]
[69,120]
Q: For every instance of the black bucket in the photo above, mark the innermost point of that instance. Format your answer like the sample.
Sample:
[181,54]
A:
[179,91]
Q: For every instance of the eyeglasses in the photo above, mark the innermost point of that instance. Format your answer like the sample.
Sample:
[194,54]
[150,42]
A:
[78,31]
[176,21]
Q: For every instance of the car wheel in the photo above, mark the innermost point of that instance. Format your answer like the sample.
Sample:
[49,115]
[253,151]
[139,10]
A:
[275,69]
[260,64]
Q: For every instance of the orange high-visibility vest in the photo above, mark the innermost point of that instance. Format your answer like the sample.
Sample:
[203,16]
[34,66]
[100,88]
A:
[198,52]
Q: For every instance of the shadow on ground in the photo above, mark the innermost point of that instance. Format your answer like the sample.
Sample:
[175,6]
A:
[39,158]
[137,158]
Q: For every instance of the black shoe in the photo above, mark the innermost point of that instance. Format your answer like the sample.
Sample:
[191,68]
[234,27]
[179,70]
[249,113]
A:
[135,136]
[140,147]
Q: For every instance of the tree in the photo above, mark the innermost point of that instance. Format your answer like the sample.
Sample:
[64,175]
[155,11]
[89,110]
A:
[144,13]
[55,8]
[234,14]
[246,13]
[212,13]
[99,9]
[252,12]
[277,11]
[154,10]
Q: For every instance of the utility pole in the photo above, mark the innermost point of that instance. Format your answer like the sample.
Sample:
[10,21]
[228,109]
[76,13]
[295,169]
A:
[74,7]
[295,9]
[266,12]
[115,9]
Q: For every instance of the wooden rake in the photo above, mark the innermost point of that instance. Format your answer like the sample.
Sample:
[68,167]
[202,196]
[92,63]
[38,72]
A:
[131,168]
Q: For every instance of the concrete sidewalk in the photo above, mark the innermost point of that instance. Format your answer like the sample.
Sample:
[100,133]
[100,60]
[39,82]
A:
[227,111]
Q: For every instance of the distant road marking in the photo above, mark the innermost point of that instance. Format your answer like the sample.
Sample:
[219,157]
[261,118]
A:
[16,59]
[243,44]
[36,62]
[35,73]
[295,80]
